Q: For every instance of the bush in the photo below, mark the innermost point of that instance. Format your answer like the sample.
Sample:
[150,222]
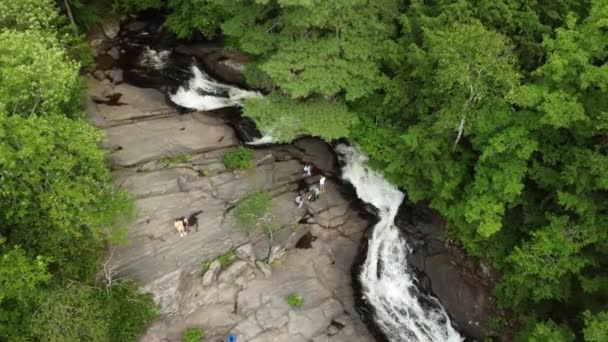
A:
[294,300]
[241,158]
[253,210]
[128,311]
[193,335]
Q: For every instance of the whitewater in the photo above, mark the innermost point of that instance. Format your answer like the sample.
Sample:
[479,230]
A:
[400,310]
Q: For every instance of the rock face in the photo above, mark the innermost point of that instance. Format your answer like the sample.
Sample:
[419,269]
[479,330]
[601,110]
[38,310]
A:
[171,164]
[461,283]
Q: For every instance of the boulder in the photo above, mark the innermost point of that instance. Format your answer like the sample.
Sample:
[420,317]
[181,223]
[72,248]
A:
[110,26]
[245,252]
[226,67]
[211,274]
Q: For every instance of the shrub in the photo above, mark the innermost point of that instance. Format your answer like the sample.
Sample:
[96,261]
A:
[193,335]
[253,210]
[294,300]
[241,158]
[128,311]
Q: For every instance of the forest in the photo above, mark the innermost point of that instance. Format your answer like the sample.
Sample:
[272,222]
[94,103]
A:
[494,112]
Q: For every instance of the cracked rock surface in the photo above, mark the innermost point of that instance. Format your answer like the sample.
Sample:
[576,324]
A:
[172,166]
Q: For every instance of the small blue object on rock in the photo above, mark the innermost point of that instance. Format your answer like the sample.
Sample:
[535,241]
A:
[232,338]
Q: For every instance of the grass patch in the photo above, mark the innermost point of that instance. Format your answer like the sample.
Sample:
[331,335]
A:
[253,210]
[193,335]
[225,260]
[176,160]
[241,158]
[294,300]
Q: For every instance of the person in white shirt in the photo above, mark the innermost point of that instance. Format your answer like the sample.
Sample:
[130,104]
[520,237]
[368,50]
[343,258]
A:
[307,170]
[322,183]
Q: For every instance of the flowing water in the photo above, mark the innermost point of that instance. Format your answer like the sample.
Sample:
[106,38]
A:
[204,93]
[400,310]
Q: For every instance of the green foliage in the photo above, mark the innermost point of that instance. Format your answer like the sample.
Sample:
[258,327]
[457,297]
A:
[285,119]
[545,331]
[36,77]
[188,17]
[241,158]
[70,313]
[193,335]
[254,210]
[294,300]
[176,160]
[128,311]
[596,326]
[55,183]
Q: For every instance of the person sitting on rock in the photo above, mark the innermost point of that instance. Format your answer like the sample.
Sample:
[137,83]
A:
[307,170]
[315,194]
[299,200]
[179,226]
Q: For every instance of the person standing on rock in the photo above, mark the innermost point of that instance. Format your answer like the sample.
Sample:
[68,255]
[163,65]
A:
[299,200]
[322,183]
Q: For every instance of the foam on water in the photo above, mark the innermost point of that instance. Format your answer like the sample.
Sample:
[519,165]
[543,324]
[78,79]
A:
[400,310]
[265,139]
[154,59]
[204,93]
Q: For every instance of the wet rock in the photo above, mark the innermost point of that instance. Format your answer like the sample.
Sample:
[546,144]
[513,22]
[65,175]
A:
[226,67]
[457,280]
[105,61]
[211,275]
[136,26]
[110,26]
[114,53]
[246,129]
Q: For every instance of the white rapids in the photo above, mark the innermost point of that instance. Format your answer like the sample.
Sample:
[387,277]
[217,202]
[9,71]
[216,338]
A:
[265,139]
[400,310]
[204,93]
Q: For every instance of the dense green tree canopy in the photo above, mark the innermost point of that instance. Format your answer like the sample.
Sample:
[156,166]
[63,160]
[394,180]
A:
[58,208]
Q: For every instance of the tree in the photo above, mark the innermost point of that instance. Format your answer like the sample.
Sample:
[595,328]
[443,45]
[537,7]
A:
[36,77]
[70,313]
[596,326]
[545,331]
[55,183]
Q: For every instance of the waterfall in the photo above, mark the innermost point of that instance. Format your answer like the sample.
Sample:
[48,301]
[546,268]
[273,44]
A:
[204,93]
[400,310]
[152,59]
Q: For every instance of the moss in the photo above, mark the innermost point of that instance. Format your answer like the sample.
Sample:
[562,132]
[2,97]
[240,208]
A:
[241,158]
[294,300]
[176,160]
[193,335]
